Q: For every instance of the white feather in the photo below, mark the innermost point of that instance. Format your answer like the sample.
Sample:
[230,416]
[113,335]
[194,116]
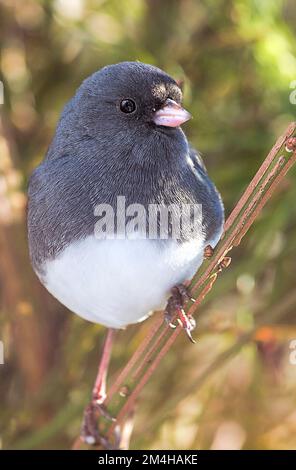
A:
[118,282]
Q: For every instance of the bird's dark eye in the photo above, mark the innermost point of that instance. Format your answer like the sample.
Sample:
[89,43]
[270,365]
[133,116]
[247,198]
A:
[127,106]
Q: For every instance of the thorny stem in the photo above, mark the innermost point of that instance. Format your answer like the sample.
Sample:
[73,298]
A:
[271,316]
[133,377]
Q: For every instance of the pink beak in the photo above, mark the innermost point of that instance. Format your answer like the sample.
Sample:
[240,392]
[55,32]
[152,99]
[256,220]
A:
[171,114]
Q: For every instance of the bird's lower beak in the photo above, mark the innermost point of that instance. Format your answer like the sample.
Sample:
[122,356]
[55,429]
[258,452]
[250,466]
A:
[171,114]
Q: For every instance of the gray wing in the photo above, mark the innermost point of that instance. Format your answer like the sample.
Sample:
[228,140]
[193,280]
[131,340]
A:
[213,210]
[59,210]
[197,159]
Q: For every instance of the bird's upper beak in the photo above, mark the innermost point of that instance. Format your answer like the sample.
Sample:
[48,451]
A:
[171,114]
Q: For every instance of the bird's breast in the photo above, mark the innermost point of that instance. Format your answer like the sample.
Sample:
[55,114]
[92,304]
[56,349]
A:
[118,282]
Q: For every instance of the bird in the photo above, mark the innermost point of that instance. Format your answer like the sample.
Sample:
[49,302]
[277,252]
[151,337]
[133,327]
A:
[103,203]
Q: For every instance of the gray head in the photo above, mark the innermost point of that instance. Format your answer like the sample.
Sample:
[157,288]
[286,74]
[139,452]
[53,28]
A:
[119,135]
[127,107]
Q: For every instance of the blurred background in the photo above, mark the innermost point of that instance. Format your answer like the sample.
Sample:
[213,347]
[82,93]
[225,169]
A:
[238,60]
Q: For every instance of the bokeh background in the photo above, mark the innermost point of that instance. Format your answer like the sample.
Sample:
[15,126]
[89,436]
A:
[238,62]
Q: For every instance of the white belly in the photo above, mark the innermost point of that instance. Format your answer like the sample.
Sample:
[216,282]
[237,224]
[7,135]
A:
[118,282]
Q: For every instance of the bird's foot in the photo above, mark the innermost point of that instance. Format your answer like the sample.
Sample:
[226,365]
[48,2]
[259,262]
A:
[90,432]
[175,308]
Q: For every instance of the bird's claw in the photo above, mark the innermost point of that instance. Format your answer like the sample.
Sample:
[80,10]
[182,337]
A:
[104,412]
[180,296]
[187,322]
[89,431]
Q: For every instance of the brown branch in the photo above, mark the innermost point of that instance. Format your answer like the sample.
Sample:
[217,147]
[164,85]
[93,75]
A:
[272,316]
[131,380]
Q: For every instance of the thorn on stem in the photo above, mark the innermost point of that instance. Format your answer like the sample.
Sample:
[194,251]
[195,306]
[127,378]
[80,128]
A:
[208,252]
[224,263]
[124,391]
[290,144]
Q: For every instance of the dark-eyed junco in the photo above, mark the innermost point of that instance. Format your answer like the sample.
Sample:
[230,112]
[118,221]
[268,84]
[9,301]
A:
[118,158]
